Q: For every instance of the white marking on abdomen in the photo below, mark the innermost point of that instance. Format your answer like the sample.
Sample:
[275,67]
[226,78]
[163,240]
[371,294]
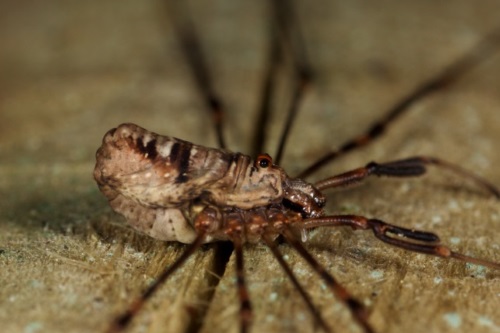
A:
[165,149]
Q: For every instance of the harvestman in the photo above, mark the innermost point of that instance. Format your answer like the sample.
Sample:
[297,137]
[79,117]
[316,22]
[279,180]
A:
[174,190]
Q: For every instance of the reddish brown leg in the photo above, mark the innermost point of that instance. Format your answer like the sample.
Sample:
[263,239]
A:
[245,305]
[413,166]
[277,254]
[289,30]
[357,309]
[267,93]
[302,82]
[121,322]
[408,239]
[483,50]
[193,52]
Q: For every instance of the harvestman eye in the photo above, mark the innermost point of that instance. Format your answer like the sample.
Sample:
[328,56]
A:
[188,178]
[264,161]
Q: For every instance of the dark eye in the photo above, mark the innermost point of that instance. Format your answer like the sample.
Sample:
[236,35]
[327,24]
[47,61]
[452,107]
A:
[263,161]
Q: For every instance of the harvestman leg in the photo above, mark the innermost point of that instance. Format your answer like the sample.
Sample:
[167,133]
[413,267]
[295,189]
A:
[196,59]
[482,51]
[408,167]
[408,239]
[419,241]
[289,30]
[286,20]
[193,51]
[281,38]
[191,47]
[203,225]
[267,93]
[234,229]
[245,304]
[285,38]
[413,240]
[277,254]
[121,322]
[356,308]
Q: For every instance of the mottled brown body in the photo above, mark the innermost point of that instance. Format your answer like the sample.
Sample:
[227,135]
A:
[161,185]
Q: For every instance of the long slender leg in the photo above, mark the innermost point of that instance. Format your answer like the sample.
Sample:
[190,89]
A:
[357,309]
[122,321]
[267,93]
[277,254]
[193,51]
[245,305]
[289,29]
[285,15]
[408,239]
[482,51]
[303,80]
[413,166]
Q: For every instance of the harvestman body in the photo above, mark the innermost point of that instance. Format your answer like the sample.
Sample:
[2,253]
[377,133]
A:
[165,186]
[174,190]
